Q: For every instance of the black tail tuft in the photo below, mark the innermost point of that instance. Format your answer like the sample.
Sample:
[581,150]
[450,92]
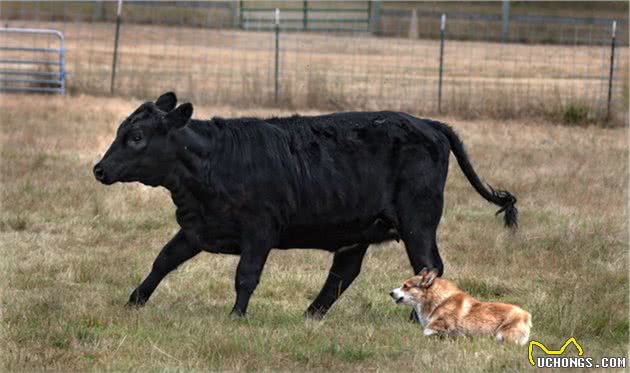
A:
[500,198]
[507,202]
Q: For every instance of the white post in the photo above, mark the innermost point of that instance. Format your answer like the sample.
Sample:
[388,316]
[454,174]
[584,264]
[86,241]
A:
[277,55]
[413,24]
[441,71]
[115,58]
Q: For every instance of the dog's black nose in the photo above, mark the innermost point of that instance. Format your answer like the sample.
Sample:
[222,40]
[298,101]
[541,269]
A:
[391,294]
[99,173]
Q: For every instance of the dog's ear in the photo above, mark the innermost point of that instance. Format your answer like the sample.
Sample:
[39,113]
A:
[427,279]
[416,281]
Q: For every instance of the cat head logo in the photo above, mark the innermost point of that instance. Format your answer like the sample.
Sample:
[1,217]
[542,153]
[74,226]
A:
[553,352]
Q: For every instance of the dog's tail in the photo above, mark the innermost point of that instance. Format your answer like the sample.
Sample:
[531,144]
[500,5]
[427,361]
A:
[504,199]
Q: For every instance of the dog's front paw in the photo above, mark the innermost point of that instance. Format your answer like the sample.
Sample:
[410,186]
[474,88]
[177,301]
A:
[413,317]
[429,331]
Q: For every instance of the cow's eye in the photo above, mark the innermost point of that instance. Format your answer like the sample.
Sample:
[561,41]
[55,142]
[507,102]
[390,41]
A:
[135,138]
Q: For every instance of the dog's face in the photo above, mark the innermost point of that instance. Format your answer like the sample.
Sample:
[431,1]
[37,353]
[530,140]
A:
[414,290]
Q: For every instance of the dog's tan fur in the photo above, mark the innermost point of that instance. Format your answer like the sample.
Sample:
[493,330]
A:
[444,309]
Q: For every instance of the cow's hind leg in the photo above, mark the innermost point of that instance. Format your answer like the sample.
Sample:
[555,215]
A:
[423,253]
[419,216]
[175,252]
[345,268]
[419,213]
[419,236]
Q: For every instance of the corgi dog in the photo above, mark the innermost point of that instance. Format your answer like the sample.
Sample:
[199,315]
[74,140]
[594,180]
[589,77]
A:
[444,309]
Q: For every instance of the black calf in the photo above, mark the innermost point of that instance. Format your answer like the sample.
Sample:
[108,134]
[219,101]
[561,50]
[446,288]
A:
[336,182]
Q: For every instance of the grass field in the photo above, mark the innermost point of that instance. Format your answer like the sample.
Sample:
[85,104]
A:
[335,72]
[72,250]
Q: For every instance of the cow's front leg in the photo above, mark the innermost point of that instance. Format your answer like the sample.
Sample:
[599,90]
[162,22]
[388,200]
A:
[253,257]
[175,252]
[345,268]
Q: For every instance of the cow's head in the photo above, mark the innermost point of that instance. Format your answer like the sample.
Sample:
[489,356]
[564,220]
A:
[140,151]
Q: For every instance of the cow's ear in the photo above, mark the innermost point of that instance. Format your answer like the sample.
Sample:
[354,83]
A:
[166,102]
[179,117]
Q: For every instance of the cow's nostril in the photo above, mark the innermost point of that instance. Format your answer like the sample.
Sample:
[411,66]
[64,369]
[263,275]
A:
[99,173]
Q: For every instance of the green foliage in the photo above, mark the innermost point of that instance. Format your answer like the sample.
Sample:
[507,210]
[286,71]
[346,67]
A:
[575,113]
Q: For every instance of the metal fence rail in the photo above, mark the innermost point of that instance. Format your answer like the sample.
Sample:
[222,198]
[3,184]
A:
[16,73]
[306,16]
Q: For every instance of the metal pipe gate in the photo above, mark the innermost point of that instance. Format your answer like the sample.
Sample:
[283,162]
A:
[14,78]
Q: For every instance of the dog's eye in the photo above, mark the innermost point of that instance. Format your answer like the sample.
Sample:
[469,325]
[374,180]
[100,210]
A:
[405,286]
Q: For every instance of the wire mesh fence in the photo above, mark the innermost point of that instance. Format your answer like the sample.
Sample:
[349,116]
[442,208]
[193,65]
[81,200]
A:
[202,51]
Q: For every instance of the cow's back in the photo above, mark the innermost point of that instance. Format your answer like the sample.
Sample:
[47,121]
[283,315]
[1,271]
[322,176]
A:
[307,174]
[349,163]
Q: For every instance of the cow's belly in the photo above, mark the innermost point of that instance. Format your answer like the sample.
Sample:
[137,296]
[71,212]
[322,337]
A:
[326,237]
[332,237]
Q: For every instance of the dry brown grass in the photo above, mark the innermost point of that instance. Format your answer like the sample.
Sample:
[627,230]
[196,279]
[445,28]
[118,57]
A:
[343,72]
[72,250]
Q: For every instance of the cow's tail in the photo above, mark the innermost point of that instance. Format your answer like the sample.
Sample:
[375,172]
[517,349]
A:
[501,198]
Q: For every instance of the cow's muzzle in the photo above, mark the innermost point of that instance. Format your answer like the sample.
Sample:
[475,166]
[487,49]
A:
[100,174]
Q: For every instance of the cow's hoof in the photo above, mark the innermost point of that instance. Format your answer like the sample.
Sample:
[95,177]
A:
[135,300]
[134,306]
[238,315]
[314,314]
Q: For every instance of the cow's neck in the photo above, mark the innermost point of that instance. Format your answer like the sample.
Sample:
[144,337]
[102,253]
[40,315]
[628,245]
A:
[186,178]
[187,201]
[186,168]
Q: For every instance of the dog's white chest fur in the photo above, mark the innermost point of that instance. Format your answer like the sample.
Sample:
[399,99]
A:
[421,316]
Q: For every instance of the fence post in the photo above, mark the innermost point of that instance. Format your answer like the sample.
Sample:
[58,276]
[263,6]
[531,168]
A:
[241,14]
[442,28]
[505,29]
[375,16]
[234,13]
[62,64]
[305,19]
[277,21]
[115,58]
[612,69]
[98,13]
[413,24]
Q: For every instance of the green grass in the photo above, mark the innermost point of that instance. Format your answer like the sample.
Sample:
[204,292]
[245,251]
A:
[575,113]
[73,250]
